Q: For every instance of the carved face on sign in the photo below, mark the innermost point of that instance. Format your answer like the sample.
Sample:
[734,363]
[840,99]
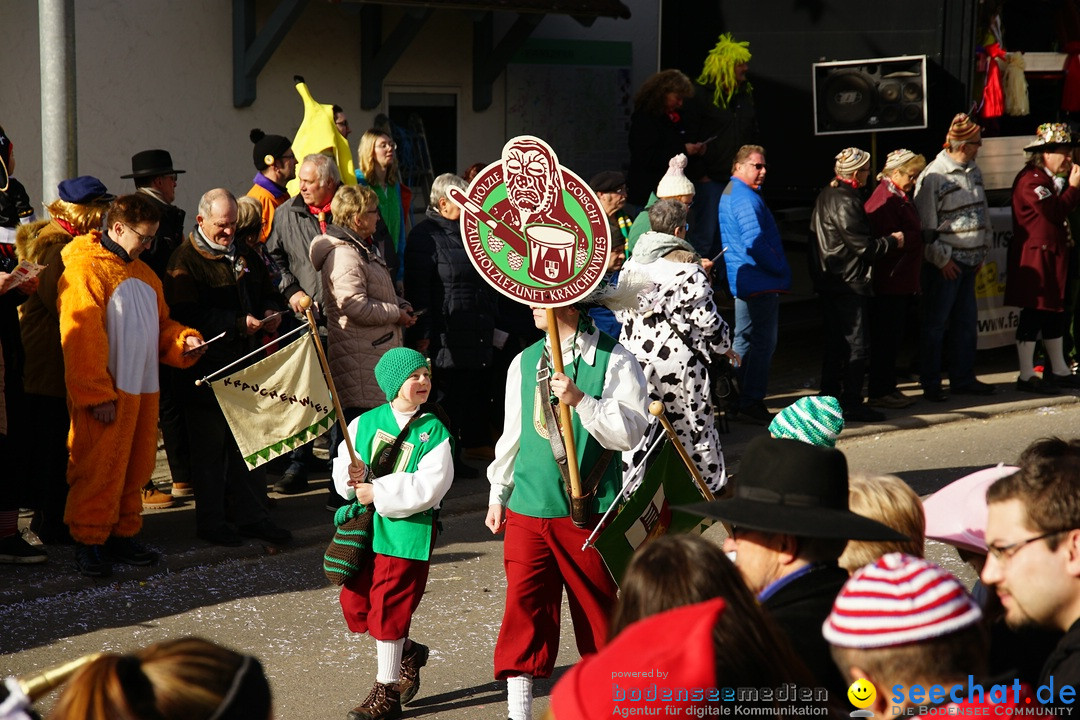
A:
[531,174]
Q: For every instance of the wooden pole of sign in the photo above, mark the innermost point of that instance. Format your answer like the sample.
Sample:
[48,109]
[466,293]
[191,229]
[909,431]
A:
[657,409]
[305,302]
[564,409]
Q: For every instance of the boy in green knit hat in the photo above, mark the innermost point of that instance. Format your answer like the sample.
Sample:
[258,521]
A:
[406,486]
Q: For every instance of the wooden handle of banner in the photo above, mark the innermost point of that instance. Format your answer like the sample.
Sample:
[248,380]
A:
[305,303]
[657,409]
[564,409]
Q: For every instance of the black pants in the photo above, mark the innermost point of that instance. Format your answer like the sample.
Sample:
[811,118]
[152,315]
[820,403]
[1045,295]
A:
[173,430]
[1033,323]
[225,490]
[467,405]
[843,365]
[887,322]
[47,445]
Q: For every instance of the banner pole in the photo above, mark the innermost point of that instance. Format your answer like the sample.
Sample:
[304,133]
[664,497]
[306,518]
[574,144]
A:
[253,353]
[305,303]
[657,409]
[564,409]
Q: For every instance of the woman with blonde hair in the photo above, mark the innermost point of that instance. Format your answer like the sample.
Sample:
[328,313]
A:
[364,315]
[895,274]
[377,155]
[890,501]
[80,208]
[183,679]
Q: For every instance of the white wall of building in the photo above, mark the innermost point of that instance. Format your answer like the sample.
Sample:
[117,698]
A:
[155,73]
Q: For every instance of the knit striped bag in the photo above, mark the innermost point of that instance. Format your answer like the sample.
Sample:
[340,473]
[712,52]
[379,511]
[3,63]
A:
[351,546]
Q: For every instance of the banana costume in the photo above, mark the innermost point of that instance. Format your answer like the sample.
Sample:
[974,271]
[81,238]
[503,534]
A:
[114,329]
[318,134]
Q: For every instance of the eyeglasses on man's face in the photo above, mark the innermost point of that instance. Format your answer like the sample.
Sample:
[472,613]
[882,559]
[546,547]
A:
[1004,553]
[144,239]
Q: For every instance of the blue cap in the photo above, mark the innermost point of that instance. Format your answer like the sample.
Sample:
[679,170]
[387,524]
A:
[83,190]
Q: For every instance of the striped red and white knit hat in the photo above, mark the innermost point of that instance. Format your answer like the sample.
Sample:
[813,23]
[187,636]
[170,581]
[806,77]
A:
[897,600]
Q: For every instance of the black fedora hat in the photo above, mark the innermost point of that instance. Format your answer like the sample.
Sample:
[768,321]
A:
[791,487]
[151,163]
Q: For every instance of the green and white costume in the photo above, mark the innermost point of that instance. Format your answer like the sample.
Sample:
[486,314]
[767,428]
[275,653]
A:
[406,497]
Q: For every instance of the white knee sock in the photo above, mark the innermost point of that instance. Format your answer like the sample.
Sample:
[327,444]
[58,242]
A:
[389,660]
[1026,352]
[519,697]
[1056,352]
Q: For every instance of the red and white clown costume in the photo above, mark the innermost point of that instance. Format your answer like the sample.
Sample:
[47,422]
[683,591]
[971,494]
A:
[114,329]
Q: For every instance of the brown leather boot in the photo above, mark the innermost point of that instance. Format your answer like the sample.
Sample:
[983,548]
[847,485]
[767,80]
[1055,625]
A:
[382,703]
[411,661]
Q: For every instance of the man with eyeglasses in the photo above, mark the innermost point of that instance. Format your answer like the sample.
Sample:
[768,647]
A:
[114,330]
[1033,550]
[951,201]
[276,166]
[758,272]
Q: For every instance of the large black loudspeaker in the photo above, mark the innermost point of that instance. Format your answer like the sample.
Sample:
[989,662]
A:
[877,94]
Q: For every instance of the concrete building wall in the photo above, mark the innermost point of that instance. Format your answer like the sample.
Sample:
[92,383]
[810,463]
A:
[155,73]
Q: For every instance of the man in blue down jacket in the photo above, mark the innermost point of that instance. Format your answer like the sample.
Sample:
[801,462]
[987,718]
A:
[758,272]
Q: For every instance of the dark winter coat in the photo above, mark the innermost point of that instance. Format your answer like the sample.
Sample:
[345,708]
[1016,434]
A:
[842,248]
[800,609]
[460,306]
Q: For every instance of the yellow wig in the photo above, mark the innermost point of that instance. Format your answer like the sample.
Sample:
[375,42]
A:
[719,69]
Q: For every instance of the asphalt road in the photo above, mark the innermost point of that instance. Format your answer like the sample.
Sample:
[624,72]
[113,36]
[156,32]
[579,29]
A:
[277,605]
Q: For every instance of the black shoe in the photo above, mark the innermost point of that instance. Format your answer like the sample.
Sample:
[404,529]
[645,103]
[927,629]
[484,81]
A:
[129,551]
[222,534]
[292,482]
[862,413]
[974,387]
[756,414]
[1066,382]
[935,394]
[1037,385]
[91,561]
[268,531]
[16,551]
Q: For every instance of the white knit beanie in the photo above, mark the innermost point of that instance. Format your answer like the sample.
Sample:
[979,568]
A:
[674,183]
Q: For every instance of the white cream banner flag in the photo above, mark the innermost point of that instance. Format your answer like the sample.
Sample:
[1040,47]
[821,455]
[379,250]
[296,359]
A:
[278,403]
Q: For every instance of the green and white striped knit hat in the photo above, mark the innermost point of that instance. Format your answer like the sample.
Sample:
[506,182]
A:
[815,419]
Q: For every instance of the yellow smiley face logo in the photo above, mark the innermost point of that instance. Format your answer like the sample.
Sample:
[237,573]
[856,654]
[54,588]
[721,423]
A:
[861,693]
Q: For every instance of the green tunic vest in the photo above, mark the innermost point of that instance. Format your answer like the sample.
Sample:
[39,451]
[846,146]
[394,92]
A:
[538,487]
[408,537]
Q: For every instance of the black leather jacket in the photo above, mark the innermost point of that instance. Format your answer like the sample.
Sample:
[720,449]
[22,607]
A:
[842,250]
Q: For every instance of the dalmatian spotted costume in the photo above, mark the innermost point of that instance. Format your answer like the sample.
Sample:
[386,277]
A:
[679,294]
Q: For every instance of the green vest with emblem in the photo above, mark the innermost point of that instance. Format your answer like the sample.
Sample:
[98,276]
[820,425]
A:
[538,486]
[409,537]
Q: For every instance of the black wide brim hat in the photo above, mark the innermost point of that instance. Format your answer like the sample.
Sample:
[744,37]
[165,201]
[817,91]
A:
[151,163]
[794,488]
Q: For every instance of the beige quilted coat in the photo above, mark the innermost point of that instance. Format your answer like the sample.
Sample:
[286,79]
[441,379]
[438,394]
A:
[362,311]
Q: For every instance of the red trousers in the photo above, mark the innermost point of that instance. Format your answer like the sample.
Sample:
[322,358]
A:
[541,556]
[383,596]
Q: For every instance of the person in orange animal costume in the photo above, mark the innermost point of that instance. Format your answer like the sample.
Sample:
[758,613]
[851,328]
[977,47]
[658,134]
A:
[114,329]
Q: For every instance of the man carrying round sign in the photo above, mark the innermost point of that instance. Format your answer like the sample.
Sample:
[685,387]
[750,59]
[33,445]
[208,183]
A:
[604,385]
[538,497]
